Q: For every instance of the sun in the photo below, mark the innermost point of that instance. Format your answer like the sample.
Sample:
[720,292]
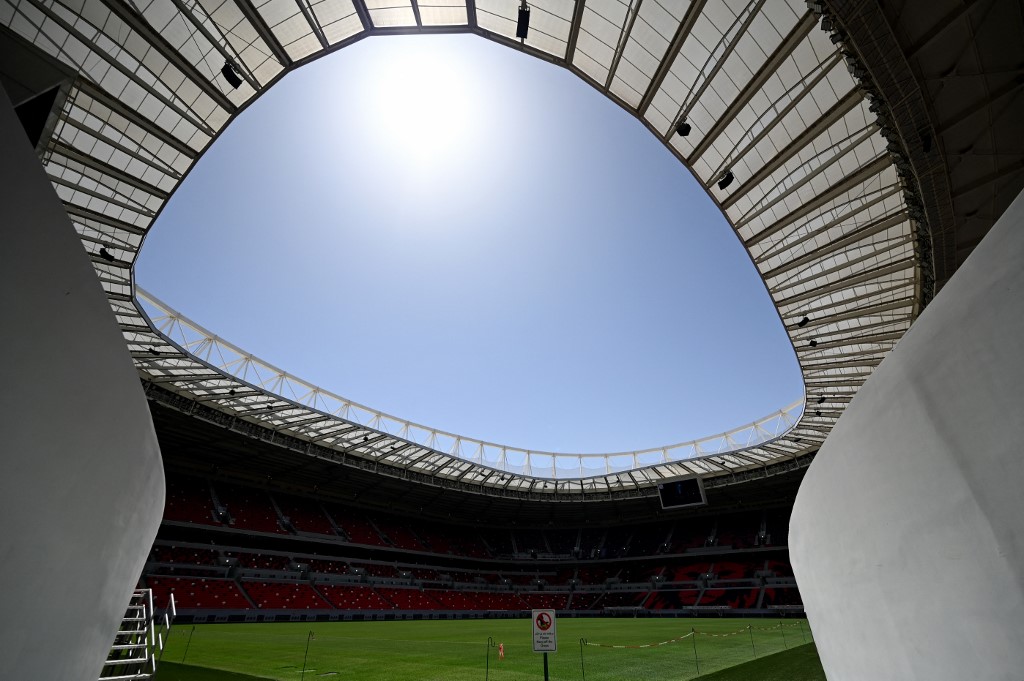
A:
[422,110]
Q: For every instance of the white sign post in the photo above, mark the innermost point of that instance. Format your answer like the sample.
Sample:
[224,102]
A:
[544,638]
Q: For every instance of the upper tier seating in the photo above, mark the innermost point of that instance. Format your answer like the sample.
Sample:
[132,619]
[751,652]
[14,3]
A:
[188,500]
[248,508]
[305,515]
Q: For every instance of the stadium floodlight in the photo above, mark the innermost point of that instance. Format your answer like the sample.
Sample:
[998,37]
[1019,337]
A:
[803,322]
[523,25]
[813,343]
[821,399]
[725,180]
[230,75]
[683,129]
[105,254]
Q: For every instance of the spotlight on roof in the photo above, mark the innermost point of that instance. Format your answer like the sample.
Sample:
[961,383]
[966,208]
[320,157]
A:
[105,254]
[683,129]
[821,399]
[231,75]
[803,322]
[725,180]
[523,25]
[817,412]
[813,343]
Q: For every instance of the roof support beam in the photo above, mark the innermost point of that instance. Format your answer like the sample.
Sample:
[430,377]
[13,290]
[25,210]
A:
[682,33]
[806,86]
[814,276]
[851,181]
[854,207]
[108,170]
[853,237]
[799,143]
[574,28]
[261,28]
[217,42]
[768,69]
[849,282]
[693,97]
[883,293]
[86,214]
[633,11]
[138,23]
[93,91]
[840,150]
[151,160]
[185,113]
[864,311]
[314,25]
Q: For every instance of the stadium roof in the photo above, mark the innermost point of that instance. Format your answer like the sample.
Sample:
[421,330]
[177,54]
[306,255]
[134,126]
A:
[859,154]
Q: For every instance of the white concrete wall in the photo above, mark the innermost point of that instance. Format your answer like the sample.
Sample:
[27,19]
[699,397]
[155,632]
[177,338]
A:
[908,533]
[82,485]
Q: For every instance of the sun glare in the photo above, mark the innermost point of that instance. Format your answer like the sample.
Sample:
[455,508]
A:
[421,109]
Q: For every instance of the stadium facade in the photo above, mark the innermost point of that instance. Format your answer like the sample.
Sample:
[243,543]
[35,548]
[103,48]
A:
[860,152]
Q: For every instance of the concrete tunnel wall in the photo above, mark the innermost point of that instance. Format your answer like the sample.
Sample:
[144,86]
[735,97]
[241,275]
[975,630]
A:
[907,537]
[82,488]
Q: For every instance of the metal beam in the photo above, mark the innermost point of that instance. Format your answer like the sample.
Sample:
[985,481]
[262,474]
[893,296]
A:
[261,28]
[100,95]
[767,70]
[121,176]
[854,208]
[126,13]
[799,143]
[682,33]
[87,214]
[819,74]
[693,97]
[859,234]
[314,25]
[849,281]
[632,13]
[837,267]
[841,150]
[849,182]
[574,29]
[218,43]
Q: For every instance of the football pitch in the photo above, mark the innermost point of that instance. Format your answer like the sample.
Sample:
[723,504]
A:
[458,650]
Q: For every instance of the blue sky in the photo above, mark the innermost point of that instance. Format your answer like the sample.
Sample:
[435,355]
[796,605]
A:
[458,234]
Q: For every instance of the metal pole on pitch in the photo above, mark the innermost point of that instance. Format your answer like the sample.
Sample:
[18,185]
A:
[487,668]
[583,671]
[191,631]
[304,657]
[751,632]
[801,625]
[545,667]
[784,644]
[696,660]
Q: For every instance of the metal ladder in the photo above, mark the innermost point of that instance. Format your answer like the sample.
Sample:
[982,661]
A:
[138,642]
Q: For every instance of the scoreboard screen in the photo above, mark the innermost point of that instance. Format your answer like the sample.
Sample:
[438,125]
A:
[681,493]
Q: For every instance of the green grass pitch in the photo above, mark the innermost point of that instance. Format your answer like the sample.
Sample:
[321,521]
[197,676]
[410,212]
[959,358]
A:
[726,650]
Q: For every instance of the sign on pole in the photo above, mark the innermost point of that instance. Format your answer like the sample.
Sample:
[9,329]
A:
[544,637]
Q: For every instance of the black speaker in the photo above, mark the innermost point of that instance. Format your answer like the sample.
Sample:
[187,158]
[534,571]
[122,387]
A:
[523,26]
